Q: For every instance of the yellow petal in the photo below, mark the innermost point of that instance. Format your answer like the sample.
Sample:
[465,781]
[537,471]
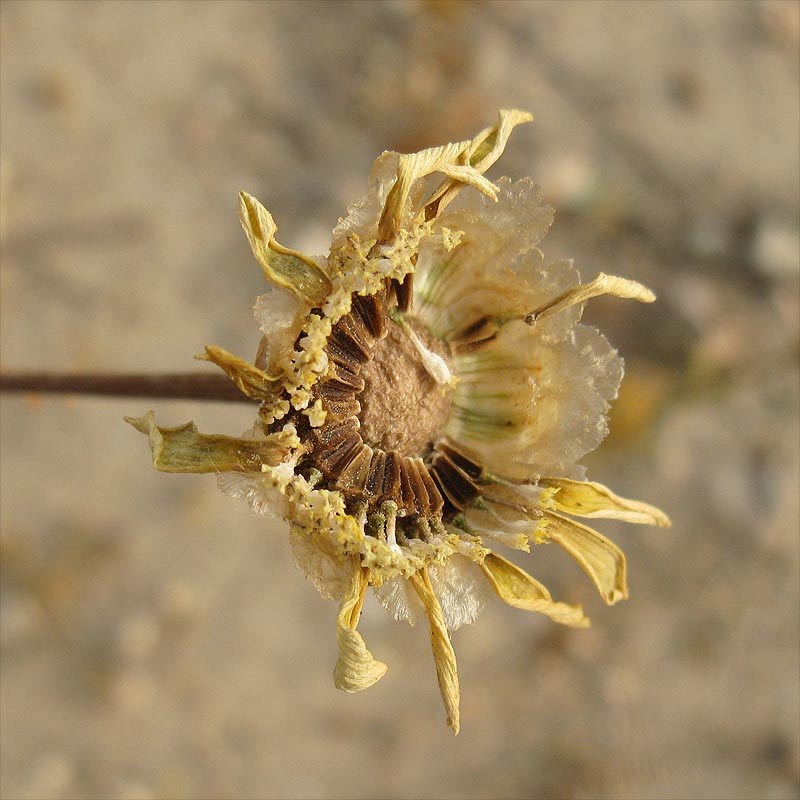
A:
[282,266]
[483,151]
[462,162]
[410,168]
[593,500]
[250,380]
[598,557]
[183,449]
[602,284]
[443,654]
[514,586]
[356,669]
[489,144]
[469,176]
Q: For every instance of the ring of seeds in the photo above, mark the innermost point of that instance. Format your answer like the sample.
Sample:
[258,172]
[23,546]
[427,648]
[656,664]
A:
[375,447]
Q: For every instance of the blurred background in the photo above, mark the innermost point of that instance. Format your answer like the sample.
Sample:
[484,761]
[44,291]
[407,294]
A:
[157,641]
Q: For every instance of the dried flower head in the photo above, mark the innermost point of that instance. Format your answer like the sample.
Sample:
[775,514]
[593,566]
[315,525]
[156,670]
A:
[426,390]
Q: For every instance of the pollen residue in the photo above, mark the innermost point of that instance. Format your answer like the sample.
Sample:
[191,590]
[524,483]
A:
[402,407]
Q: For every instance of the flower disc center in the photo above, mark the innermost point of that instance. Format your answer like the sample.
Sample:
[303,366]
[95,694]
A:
[402,407]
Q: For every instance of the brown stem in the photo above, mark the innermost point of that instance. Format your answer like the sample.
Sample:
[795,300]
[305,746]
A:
[179,386]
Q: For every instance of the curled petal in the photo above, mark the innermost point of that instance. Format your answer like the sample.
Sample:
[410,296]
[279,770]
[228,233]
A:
[598,557]
[356,669]
[250,380]
[183,449]
[483,151]
[490,143]
[443,654]
[410,168]
[592,500]
[602,284]
[282,266]
[469,176]
[514,586]
[462,162]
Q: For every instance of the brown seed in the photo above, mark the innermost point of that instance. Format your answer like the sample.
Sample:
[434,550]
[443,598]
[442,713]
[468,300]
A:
[353,479]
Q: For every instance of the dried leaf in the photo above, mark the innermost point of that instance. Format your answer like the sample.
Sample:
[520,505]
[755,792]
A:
[183,449]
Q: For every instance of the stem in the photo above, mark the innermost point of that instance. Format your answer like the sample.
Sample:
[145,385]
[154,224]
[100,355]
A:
[176,386]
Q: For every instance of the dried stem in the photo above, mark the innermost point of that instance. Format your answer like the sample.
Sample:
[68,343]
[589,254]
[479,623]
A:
[177,386]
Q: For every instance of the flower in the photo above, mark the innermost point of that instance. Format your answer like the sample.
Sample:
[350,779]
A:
[426,391]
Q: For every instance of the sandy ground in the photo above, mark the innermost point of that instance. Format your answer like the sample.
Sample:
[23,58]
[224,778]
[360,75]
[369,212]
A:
[157,641]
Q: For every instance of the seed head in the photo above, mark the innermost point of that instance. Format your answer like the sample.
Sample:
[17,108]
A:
[425,392]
